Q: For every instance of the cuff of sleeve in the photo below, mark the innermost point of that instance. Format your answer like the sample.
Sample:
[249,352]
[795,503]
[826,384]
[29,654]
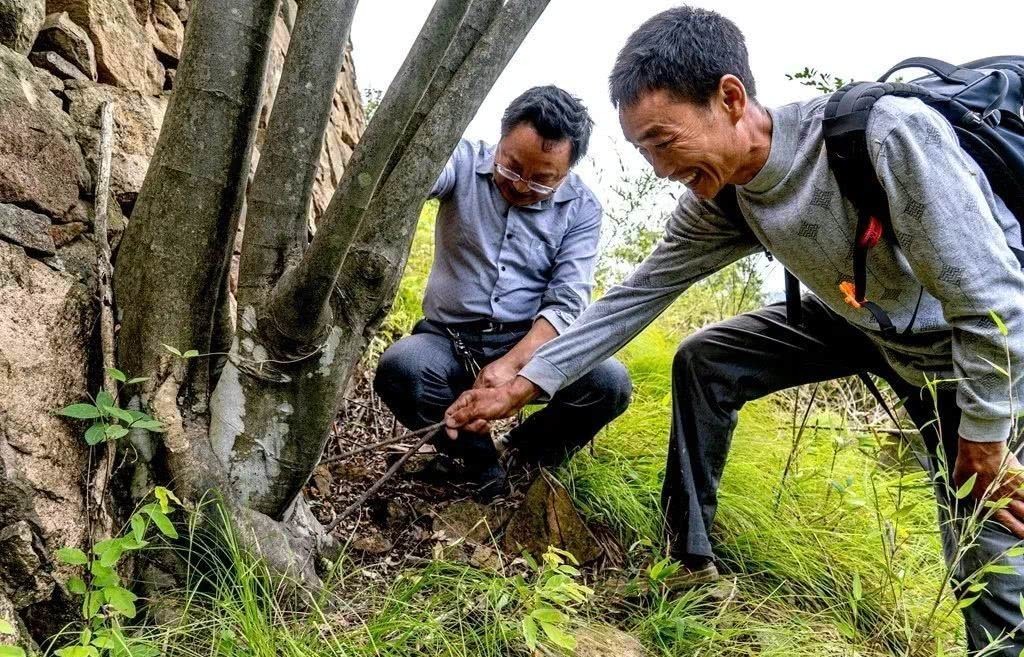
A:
[544,375]
[557,318]
[983,430]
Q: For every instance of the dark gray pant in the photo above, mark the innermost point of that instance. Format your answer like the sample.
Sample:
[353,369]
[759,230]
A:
[421,375]
[720,368]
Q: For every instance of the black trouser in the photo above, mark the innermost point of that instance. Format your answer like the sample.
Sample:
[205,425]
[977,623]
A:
[420,376]
[720,368]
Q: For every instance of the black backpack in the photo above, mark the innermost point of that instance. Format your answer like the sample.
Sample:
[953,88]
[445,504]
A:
[983,101]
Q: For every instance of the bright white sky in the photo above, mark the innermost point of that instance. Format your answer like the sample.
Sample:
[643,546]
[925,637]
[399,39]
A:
[575,42]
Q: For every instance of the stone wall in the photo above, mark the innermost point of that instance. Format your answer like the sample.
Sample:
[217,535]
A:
[59,59]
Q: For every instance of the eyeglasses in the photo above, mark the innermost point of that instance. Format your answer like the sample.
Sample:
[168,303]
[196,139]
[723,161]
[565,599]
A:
[512,176]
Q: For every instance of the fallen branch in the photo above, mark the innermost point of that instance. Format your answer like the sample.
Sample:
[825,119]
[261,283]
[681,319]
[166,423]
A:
[104,274]
[428,433]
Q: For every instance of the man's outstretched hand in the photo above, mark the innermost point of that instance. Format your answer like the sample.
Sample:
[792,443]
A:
[998,476]
[474,409]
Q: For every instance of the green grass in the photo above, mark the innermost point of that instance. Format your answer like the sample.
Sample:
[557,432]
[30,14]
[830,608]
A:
[813,575]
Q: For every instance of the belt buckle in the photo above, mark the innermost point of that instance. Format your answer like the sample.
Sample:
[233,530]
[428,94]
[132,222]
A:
[491,327]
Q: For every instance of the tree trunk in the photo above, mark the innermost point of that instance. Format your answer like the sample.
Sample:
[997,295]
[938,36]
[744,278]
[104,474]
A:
[257,436]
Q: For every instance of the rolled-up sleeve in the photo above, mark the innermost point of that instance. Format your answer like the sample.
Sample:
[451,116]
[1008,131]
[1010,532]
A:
[572,276]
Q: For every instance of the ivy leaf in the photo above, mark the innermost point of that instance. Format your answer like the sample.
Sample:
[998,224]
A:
[72,556]
[119,413]
[77,651]
[162,522]
[165,497]
[149,425]
[558,636]
[112,555]
[172,350]
[116,374]
[138,527]
[191,353]
[530,633]
[92,603]
[103,576]
[80,411]
[121,599]
[104,398]
[77,586]
[96,434]
[548,615]
[116,432]
[967,487]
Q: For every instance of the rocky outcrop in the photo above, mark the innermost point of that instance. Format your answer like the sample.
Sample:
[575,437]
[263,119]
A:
[55,71]
[41,164]
[124,54]
[63,37]
[19,23]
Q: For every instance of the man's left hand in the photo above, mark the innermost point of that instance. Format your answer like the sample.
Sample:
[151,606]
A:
[999,475]
[496,374]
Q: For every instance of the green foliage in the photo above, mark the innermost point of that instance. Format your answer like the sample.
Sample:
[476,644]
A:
[106,603]
[111,422]
[826,83]
[553,600]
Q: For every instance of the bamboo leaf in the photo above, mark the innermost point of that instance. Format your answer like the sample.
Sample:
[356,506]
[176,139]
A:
[967,487]
[72,556]
[999,323]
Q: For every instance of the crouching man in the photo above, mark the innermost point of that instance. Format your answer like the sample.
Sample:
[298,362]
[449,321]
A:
[515,246]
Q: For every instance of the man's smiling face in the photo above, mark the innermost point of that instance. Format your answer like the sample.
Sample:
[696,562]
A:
[696,145]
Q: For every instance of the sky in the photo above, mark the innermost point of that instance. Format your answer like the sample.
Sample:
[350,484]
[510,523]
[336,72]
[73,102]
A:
[575,42]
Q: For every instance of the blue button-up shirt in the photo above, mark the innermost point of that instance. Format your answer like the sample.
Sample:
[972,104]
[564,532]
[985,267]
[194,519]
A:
[504,263]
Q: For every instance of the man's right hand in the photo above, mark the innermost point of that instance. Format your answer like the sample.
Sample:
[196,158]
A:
[474,409]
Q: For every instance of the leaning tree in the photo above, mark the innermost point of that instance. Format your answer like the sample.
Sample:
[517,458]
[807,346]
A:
[250,421]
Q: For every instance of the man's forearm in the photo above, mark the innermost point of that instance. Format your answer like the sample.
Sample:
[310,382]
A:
[540,333]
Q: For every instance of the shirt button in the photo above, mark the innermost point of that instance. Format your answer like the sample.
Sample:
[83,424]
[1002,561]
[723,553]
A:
[497,299]
[503,268]
[509,236]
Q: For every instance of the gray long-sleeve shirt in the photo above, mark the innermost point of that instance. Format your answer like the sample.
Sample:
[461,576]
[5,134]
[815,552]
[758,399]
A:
[951,247]
[508,264]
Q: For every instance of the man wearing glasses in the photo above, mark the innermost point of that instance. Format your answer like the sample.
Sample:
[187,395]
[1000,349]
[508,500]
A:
[514,253]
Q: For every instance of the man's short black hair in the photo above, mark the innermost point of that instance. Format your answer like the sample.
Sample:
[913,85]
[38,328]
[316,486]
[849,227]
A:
[555,114]
[685,51]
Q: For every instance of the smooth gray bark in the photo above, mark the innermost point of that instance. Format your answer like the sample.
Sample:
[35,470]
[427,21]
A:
[297,310]
[279,197]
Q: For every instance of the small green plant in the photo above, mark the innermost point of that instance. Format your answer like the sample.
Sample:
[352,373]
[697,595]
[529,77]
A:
[106,603]
[6,629]
[110,421]
[553,601]
[826,83]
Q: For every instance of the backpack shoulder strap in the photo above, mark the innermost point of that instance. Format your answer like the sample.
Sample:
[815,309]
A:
[730,207]
[844,127]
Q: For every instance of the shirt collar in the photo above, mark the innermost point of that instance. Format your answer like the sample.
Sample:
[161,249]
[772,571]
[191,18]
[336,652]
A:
[566,191]
[785,137]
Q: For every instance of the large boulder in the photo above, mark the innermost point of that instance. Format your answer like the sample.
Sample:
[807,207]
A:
[137,121]
[125,57]
[46,320]
[27,229]
[19,23]
[62,36]
[41,164]
[548,517]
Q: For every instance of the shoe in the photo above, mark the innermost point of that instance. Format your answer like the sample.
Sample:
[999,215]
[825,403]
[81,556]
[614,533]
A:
[441,469]
[691,574]
[490,483]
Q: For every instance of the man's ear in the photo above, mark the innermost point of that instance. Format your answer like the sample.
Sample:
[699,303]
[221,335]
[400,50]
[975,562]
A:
[732,97]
